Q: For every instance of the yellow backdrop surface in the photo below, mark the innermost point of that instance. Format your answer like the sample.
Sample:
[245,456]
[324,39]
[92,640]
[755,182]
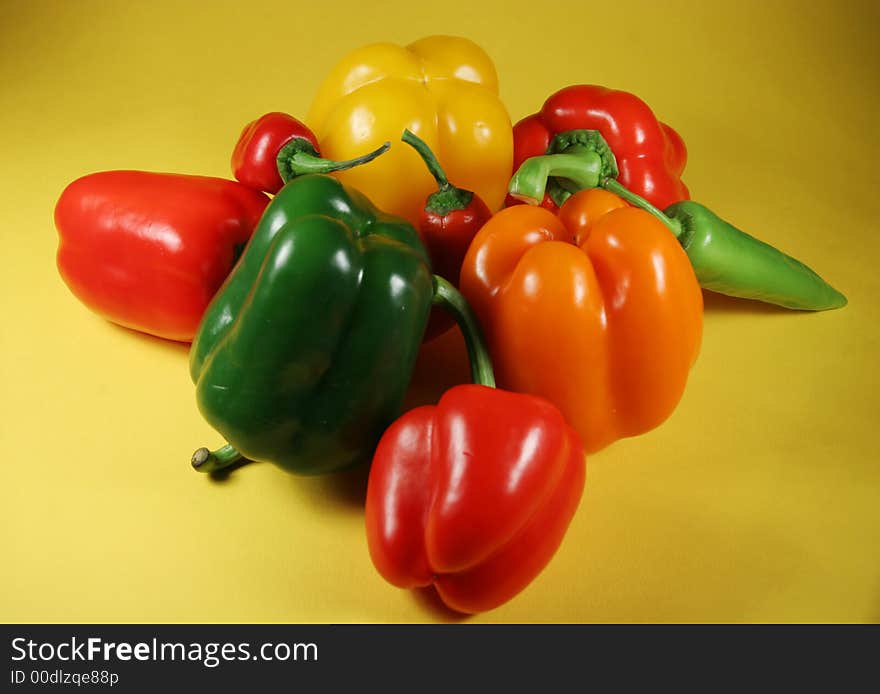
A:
[759,500]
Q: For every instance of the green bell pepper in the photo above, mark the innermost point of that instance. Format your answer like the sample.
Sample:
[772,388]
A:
[304,355]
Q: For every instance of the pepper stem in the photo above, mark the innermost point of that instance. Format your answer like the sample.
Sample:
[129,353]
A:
[449,298]
[613,186]
[581,169]
[295,159]
[205,460]
[430,159]
[447,198]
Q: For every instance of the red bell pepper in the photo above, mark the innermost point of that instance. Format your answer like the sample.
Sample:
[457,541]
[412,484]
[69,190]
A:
[149,250]
[473,495]
[277,147]
[650,155]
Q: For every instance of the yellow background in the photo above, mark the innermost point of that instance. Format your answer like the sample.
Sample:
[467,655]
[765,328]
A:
[759,500]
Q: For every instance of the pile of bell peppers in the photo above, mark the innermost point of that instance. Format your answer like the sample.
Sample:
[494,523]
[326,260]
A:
[565,248]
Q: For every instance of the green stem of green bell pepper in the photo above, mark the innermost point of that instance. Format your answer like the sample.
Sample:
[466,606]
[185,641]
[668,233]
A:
[449,298]
[205,460]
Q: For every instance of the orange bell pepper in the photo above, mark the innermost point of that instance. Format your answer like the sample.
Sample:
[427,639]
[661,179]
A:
[596,309]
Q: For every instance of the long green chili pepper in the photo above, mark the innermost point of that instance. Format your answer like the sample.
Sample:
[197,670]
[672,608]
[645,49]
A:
[725,259]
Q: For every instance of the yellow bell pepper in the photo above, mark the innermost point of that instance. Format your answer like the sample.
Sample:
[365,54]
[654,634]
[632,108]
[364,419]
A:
[442,88]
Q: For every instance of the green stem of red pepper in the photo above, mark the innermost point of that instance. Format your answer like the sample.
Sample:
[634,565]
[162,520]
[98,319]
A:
[299,157]
[420,146]
[447,197]
[450,299]
[574,160]
[579,169]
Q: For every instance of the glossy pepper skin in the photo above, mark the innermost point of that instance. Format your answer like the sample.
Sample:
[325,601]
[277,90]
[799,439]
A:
[651,155]
[442,88]
[450,219]
[597,310]
[473,495]
[304,356]
[149,250]
[254,159]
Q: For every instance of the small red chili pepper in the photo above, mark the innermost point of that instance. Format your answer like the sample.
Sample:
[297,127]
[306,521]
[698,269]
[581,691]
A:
[447,224]
[149,250]
[254,160]
[650,155]
[473,495]
[277,147]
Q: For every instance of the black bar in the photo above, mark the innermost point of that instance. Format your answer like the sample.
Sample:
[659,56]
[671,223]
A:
[415,657]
